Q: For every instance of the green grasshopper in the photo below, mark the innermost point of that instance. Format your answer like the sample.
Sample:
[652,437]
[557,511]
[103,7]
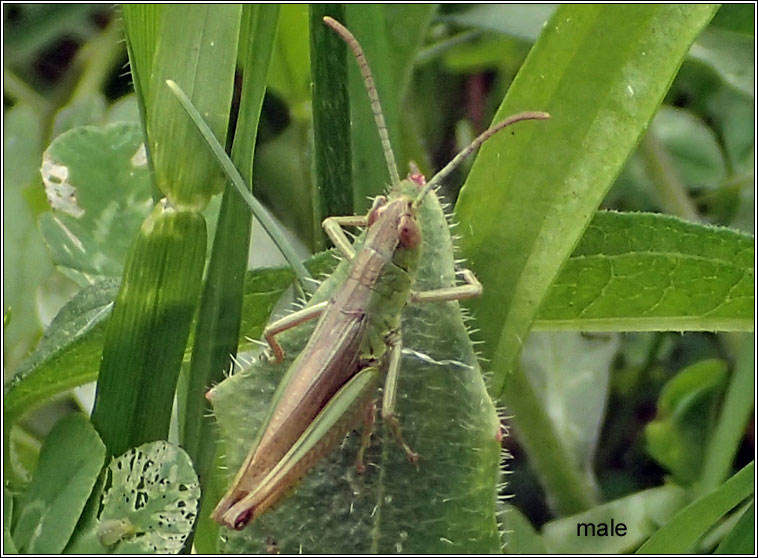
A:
[334,379]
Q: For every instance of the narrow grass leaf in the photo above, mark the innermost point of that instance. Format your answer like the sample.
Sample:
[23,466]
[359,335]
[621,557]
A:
[680,535]
[200,55]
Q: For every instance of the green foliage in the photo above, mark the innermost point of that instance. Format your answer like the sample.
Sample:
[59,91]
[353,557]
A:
[635,271]
[91,228]
[530,206]
[652,111]
[676,439]
[678,536]
[68,468]
[148,506]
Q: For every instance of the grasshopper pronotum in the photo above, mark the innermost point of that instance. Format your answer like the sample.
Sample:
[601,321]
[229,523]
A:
[334,379]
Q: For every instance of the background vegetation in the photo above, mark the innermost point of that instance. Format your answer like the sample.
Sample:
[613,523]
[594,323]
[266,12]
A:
[647,427]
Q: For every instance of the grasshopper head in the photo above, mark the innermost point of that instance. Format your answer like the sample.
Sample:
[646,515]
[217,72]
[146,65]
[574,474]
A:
[394,231]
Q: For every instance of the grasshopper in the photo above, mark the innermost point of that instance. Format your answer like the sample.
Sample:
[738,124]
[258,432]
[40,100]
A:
[333,381]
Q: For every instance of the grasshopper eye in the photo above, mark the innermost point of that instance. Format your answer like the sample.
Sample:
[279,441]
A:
[409,232]
[376,210]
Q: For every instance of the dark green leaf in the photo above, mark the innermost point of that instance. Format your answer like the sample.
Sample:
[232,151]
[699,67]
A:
[331,116]
[69,464]
[148,330]
[68,354]
[678,436]
[741,539]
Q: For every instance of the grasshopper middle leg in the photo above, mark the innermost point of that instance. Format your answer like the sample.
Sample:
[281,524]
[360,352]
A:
[288,322]
[471,289]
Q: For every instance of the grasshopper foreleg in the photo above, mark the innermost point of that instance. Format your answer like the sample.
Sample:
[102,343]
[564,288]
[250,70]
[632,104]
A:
[288,322]
[333,227]
[471,289]
[390,395]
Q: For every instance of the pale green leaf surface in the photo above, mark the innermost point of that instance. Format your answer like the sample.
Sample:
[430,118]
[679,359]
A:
[692,145]
[156,489]
[731,55]
[520,536]
[26,263]
[23,454]
[653,272]
[86,110]
[518,20]
[679,535]
[123,110]
[98,184]
[148,506]
[601,71]
[9,547]
[69,465]
[570,374]
[642,512]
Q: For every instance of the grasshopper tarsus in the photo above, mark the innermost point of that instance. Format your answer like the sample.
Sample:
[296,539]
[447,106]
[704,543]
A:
[368,429]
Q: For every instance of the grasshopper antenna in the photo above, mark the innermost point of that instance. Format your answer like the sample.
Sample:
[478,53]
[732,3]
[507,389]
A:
[373,96]
[480,139]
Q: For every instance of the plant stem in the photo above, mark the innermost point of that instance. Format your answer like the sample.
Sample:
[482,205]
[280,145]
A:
[669,186]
